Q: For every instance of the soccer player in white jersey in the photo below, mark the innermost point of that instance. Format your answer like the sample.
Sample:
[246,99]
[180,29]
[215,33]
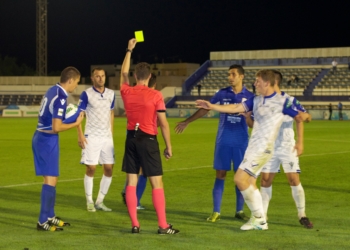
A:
[97,140]
[286,153]
[269,109]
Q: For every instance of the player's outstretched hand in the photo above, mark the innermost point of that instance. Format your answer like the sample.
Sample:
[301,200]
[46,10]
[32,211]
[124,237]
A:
[299,147]
[203,104]
[132,43]
[167,153]
[180,127]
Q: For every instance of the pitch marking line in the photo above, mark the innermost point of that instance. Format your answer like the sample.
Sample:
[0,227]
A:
[169,170]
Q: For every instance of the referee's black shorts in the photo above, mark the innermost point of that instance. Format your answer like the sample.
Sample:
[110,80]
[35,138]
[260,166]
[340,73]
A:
[142,150]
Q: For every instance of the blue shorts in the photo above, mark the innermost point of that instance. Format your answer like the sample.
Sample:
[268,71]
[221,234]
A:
[46,154]
[224,155]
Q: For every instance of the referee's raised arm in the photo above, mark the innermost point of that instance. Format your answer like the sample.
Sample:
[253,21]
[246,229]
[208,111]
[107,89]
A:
[124,73]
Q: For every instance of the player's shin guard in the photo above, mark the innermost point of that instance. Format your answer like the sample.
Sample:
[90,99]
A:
[131,202]
[104,187]
[253,200]
[141,186]
[47,195]
[88,186]
[266,195]
[299,198]
[158,199]
[218,190]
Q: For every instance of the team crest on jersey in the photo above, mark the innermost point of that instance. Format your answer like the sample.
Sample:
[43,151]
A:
[63,101]
[60,112]
[291,164]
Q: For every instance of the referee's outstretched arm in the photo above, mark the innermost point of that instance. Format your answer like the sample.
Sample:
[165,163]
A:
[124,73]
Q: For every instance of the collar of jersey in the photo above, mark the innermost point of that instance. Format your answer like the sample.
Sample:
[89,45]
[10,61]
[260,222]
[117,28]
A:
[58,85]
[140,86]
[270,96]
[99,91]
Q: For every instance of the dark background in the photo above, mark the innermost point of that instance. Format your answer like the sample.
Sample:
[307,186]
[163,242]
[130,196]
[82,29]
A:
[85,32]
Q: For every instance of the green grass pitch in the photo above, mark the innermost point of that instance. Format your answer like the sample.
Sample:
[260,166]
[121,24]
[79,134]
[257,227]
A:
[188,181]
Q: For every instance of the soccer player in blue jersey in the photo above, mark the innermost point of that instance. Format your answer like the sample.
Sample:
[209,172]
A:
[231,139]
[287,151]
[46,147]
[269,110]
[97,140]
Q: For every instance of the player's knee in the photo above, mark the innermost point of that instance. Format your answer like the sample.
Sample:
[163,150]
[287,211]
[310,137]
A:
[221,174]
[90,170]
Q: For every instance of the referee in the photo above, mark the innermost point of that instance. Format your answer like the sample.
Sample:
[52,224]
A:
[144,106]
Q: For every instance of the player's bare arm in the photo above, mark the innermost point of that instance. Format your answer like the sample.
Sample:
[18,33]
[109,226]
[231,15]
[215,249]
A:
[59,126]
[81,138]
[181,126]
[164,127]
[112,121]
[124,73]
[299,144]
[231,108]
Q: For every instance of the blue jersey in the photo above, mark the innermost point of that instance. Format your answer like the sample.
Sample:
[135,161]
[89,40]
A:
[53,105]
[233,129]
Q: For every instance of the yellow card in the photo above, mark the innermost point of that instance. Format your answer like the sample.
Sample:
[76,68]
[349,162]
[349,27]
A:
[139,36]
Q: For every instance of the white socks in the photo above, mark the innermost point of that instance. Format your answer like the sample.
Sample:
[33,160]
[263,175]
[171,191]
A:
[266,195]
[104,186]
[88,185]
[252,198]
[299,198]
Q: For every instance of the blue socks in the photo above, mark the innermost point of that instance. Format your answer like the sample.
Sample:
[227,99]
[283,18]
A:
[239,200]
[48,197]
[217,194]
[141,186]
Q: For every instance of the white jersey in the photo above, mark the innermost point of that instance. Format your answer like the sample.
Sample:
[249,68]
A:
[97,107]
[286,134]
[268,118]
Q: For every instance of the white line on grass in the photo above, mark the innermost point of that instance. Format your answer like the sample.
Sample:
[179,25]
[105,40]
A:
[324,140]
[167,170]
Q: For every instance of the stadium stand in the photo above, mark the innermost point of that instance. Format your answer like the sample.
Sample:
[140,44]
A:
[27,100]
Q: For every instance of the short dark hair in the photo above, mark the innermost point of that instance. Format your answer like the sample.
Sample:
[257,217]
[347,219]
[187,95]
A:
[69,73]
[267,75]
[239,68]
[142,71]
[152,80]
[278,77]
[97,69]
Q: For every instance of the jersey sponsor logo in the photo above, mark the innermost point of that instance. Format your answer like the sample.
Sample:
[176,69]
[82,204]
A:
[63,101]
[289,104]
[60,112]
[235,118]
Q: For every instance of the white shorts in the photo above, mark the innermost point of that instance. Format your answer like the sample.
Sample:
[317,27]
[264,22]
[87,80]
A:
[98,150]
[254,162]
[285,156]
